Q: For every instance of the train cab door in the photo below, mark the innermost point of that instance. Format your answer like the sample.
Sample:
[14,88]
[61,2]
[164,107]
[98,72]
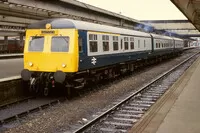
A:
[82,42]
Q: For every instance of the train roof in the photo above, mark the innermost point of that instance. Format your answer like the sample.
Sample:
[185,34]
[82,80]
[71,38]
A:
[161,36]
[62,23]
[177,39]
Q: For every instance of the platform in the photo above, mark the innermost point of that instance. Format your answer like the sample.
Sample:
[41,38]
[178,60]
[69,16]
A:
[178,111]
[10,67]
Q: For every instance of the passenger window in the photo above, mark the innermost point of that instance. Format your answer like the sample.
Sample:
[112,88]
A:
[93,46]
[92,37]
[60,44]
[105,46]
[105,39]
[132,42]
[115,46]
[121,43]
[80,44]
[126,43]
[93,42]
[115,43]
[138,43]
[36,44]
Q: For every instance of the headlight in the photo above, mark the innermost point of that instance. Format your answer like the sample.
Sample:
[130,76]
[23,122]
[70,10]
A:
[63,65]
[30,64]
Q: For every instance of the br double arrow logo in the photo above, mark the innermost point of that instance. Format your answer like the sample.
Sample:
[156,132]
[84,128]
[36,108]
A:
[93,60]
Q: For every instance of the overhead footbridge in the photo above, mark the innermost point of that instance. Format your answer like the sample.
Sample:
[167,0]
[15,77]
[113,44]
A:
[182,27]
[191,9]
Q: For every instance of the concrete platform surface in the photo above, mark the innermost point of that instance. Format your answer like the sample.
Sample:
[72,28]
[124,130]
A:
[184,116]
[10,67]
[7,55]
[178,110]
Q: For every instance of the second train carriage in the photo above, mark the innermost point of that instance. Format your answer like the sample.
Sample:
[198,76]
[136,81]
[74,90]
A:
[56,49]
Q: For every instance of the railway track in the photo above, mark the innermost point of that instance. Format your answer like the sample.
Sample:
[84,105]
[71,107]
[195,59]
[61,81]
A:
[18,109]
[122,116]
[14,111]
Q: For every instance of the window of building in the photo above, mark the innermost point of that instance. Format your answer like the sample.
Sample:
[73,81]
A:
[93,42]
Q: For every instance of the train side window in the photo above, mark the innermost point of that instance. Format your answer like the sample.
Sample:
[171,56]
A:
[132,42]
[138,43]
[105,39]
[105,46]
[121,44]
[93,42]
[126,43]
[93,46]
[80,44]
[36,44]
[115,43]
[92,37]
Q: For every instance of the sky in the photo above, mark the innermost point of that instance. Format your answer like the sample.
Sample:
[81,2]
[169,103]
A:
[140,9]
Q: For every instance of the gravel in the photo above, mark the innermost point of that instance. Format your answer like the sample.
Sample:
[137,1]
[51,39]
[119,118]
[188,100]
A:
[71,114]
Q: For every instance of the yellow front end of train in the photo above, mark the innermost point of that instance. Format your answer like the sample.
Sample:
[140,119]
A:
[50,50]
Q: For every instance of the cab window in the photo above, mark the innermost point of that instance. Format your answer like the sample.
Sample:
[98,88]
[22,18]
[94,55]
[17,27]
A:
[60,44]
[36,44]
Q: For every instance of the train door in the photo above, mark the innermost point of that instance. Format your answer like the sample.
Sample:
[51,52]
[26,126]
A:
[122,43]
[152,43]
[174,44]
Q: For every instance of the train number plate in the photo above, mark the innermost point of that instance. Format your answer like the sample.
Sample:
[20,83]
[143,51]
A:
[47,32]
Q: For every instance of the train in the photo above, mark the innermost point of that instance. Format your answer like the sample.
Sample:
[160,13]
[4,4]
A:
[13,46]
[72,53]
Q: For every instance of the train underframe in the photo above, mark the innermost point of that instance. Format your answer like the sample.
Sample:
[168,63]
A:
[43,82]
